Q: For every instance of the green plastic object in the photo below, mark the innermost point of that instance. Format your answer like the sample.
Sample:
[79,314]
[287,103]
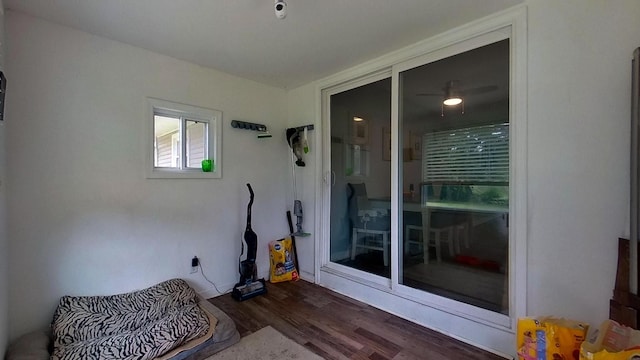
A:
[207,165]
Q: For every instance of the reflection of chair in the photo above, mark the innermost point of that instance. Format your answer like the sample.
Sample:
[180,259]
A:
[439,224]
[453,225]
[410,240]
[441,228]
[370,227]
[462,229]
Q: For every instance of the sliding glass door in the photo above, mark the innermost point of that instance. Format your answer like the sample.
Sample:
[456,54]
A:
[448,156]
[454,113]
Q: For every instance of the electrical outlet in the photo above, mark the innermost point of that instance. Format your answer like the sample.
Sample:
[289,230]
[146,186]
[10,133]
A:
[195,262]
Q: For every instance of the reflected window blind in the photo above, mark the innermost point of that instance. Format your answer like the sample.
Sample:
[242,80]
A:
[472,155]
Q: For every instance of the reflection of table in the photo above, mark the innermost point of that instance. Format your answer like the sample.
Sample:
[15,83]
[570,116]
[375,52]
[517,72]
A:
[488,210]
[467,206]
[385,203]
[460,229]
[372,213]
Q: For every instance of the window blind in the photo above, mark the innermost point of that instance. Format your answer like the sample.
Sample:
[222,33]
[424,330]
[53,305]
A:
[472,155]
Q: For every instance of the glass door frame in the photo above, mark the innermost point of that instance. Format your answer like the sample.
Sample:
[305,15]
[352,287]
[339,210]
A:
[508,25]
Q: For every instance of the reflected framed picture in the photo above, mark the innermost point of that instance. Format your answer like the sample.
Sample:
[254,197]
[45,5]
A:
[386,144]
[415,140]
[360,131]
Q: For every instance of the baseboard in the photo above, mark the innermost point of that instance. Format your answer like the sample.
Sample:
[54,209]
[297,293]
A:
[307,276]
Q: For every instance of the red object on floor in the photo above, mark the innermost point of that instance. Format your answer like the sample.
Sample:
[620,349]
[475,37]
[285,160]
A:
[465,259]
[491,265]
[474,261]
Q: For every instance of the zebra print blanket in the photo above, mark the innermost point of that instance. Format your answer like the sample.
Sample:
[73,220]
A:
[138,325]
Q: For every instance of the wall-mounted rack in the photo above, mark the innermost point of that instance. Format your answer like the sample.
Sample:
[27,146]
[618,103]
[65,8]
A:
[237,124]
[301,128]
[260,128]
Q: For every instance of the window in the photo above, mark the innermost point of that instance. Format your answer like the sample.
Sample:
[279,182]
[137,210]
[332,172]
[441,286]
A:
[181,136]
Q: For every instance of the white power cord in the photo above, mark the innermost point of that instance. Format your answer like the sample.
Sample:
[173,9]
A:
[205,277]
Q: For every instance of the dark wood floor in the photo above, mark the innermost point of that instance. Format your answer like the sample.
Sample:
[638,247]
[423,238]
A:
[337,327]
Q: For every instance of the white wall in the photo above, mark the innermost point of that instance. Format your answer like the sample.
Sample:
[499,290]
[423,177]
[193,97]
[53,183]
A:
[83,217]
[579,60]
[579,138]
[4,242]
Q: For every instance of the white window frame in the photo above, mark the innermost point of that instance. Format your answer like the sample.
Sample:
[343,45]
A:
[212,117]
[175,149]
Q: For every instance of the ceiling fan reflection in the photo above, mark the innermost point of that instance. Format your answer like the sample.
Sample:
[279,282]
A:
[453,95]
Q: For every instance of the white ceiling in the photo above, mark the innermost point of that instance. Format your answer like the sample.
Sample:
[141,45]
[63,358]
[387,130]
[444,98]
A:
[244,37]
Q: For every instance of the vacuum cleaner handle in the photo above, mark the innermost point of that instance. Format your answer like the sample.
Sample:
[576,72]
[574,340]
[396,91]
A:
[249,207]
[250,192]
[250,237]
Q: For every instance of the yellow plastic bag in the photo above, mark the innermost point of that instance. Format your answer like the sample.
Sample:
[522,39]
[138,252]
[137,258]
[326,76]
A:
[282,265]
[614,342]
[548,338]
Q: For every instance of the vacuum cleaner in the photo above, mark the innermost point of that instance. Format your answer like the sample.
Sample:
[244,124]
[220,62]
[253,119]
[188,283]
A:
[249,285]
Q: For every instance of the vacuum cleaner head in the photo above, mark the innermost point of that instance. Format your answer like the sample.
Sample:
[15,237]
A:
[249,290]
